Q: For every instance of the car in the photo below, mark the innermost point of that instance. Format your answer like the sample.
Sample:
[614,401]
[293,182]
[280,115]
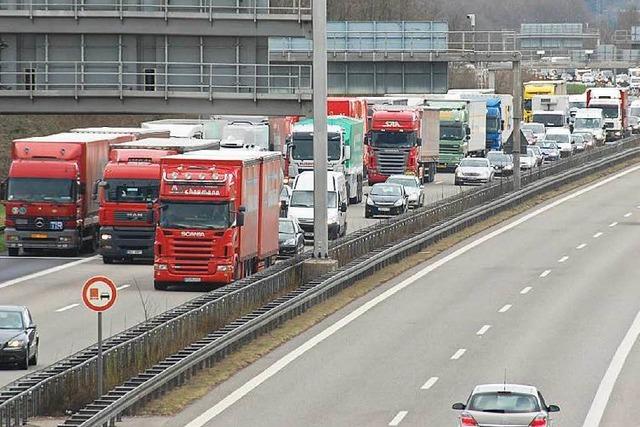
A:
[473,170]
[512,405]
[528,160]
[588,137]
[412,187]
[634,124]
[386,199]
[562,137]
[501,163]
[537,152]
[538,130]
[19,338]
[285,200]
[550,151]
[577,140]
[290,237]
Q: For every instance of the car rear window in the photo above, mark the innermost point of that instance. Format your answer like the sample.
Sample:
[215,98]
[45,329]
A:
[503,402]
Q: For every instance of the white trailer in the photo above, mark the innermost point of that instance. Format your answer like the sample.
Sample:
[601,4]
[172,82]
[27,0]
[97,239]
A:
[550,103]
[178,128]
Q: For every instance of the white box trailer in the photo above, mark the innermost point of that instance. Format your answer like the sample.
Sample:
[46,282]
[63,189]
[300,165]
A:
[550,103]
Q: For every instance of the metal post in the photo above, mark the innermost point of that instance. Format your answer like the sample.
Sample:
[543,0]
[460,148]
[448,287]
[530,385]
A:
[320,237]
[100,368]
[517,117]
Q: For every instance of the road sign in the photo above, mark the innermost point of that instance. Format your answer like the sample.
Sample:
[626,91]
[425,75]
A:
[99,293]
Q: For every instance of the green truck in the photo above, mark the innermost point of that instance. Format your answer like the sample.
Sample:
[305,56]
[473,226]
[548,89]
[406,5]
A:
[462,130]
[345,139]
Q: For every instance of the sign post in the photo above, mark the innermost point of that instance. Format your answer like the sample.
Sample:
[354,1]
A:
[99,293]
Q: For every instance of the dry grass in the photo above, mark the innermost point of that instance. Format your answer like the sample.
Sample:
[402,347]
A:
[199,385]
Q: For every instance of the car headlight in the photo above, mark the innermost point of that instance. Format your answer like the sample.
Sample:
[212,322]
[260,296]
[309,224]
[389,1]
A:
[16,343]
[290,242]
[370,201]
[105,236]
[398,202]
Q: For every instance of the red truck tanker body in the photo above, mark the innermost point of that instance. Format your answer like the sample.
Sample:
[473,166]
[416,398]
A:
[48,194]
[218,216]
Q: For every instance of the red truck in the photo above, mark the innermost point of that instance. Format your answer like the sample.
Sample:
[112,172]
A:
[47,195]
[394,145]
[128,192]
[218,216]
[350,107]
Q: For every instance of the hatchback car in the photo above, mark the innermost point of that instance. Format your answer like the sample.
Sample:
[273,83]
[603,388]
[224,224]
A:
[18,337]
[502,163]
[473,170]
[412,187]
[577,141]
[589,139]
[528,160]
[290,237]
[510,405]
[537,152]
[386,199]
[550,151]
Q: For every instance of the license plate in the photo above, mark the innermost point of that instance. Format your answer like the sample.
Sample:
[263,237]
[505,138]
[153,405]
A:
[384,209]
[134,252]
[192,279]
[38,236]
[56,225]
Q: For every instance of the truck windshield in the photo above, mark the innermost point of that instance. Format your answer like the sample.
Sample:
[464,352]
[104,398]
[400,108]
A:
[493,124]
[393,139]
[608,111]
[303,147]
[452,133]
[304,199]
[195,215]
[41,190]
[587,123]
[552,120]
[634,111]
[131,191]
[527,104]
[578,104]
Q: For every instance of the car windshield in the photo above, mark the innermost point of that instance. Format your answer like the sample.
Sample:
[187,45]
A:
[608,111]
[504,403]
[131,191]
[195,215]
[473,163]
[40,190]
[587,123]
[11,320]
[534,127]
[560,137]
[304,199]
[555,120]
[452,133]
[286,227]
[527,104]
[549,145]
[303,147]
[499,158]
[386,190]
[381,139]
[405,182]
[578,139]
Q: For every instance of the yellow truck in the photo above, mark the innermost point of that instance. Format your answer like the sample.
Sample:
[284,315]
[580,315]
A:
[540,87]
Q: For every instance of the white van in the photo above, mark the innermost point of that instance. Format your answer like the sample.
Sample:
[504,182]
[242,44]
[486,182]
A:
[301,204]
[590,120]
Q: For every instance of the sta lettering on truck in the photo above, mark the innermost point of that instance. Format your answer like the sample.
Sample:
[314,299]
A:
[392,124]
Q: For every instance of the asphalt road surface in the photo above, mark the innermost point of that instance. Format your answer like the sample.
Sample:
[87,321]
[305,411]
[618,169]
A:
[550,298]
[50,287]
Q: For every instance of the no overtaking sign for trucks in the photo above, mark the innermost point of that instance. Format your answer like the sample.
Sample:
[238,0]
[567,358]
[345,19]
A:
[99,293]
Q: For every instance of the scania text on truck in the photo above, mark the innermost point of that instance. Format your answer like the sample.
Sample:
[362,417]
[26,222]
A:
[613,103]
[48,193]
[345,140]
[128,193]
[218,216]
[541,87]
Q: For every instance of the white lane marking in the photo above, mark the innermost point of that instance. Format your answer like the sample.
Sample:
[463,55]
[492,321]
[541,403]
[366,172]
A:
[628,214]
[526,290]
[598,234]
[613,224]
[483,330]
[581,246]
[545,273]
[430,383]
[458,354]
[46,272]
[563,259]
[119,288]
[398,418]
[505,308]
[14,258]
[67,307]
[605,388]
[294,354]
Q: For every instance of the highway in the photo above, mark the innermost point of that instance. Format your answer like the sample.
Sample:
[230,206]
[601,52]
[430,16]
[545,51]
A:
[50,287]
[549,298]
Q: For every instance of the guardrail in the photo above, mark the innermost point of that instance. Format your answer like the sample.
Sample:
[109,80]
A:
[169,346]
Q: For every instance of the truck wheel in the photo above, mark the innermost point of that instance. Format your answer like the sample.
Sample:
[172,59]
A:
[13,251]
[159,286]
[107,260]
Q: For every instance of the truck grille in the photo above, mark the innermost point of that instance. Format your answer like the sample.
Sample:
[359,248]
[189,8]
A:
[192,256]
[40,223]
[391,161]
[141,216]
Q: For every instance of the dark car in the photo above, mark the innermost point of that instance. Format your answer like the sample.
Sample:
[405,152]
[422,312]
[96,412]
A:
[290,237]
[18,337]
[501,163]
[386,199]
[550,151]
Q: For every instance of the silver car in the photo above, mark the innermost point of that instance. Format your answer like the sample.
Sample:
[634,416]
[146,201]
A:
[473,170]
[510,405]
[412,187]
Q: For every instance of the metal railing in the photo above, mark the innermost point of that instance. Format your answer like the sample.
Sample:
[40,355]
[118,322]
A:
[146,78]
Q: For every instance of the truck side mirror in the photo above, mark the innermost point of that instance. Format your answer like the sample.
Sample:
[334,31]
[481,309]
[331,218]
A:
[343,207]
[501,124]
[293,170]
[347,153]
[366,138]
[419,142]
[96,185]
[3,190]
[468,130]
[82,188]
[240,216]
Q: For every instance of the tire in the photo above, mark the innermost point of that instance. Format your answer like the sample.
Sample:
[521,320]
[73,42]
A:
[107,260]
[13,251]
[33,361]
[159,286]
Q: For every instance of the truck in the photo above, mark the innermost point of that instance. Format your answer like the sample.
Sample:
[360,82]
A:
[540,87]
[48,193]
[575,103]
[590,120]
[613,103]
[550,103]
[462,130]
[128,194]
[350,107]
[136,133]
[218,219]
[550,119]
[344,150]
[179,128]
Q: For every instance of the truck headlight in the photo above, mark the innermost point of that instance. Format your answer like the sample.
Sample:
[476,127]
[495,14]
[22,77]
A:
[225,268]
[64,239]
[105,236]
[160,266]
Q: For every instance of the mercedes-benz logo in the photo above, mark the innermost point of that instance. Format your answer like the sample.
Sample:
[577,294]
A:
[39,222]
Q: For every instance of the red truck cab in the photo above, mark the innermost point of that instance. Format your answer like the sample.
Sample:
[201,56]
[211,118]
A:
[394,144]
[218,216]
[129,191]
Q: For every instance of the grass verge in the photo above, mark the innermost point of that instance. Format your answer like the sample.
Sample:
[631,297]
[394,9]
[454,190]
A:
[200,384]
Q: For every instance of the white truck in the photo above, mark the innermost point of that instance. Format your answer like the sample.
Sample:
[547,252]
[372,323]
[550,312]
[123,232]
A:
[590,120]
[178,128]
[613,103]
